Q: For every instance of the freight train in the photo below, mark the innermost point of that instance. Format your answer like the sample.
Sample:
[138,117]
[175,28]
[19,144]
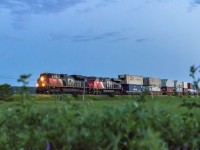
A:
[51,83]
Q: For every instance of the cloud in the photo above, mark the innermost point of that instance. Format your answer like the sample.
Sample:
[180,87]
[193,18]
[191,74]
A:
[120,39]
[37,6]
[193,4]
[21,9]
[141,40]
[196,2]
[4,37]
[112,36]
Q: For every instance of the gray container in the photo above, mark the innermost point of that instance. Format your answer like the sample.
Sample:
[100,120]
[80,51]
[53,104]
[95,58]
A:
[179,90]
[178,84]
[167,83]
[131,79]
[148,81]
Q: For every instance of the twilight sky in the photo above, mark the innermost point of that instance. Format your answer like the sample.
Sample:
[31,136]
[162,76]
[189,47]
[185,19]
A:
[151,38]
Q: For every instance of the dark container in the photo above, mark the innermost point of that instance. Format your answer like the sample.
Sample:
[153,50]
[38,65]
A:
[185,90]
[190,86]
[131,88]
[167,90]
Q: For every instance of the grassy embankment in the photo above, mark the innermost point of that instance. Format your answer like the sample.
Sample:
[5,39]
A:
[99,122]
[170,103]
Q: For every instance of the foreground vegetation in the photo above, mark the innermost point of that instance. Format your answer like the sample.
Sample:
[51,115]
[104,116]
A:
[99,122]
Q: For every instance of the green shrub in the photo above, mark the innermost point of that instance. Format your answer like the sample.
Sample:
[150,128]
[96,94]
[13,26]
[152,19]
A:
[5,92]
[73,126]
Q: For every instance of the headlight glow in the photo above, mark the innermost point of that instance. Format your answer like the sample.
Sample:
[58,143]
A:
[41,78]
[37,85]
[43,84]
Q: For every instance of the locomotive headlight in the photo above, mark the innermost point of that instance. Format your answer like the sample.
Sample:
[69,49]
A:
[43,84]
[41,78]
[37,85]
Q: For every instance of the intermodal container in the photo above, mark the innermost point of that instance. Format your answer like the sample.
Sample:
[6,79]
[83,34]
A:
[178,84]
[131,79]
[192,91]
[152,88]
[131,87]
[167,83]
[190,86]
[185,90]
[148,81]
[167,90]
[185,85]
[178,88]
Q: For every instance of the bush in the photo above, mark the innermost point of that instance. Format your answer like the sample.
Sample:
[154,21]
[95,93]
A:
[5,92]
[72,126]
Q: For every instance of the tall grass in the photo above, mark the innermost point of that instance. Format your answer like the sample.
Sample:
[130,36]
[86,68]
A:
[99,122]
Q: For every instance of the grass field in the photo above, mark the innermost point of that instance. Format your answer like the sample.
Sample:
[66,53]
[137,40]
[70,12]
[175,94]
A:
[99,122]
[170,103]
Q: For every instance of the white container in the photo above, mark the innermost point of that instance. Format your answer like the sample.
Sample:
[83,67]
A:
[148,81]
[167,83]
[192,91]
[131,79]
[178,84]
[185,85]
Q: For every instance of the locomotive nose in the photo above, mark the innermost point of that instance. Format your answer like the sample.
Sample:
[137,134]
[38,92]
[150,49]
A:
[42,78]
[41,82]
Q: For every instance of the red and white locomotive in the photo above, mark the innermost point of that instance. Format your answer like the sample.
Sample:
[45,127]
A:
[49,83]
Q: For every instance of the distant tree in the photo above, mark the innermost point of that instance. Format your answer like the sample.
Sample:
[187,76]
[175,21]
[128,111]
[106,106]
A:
[23,79]
[5,91]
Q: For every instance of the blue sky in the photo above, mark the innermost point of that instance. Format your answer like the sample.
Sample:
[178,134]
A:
[156,38]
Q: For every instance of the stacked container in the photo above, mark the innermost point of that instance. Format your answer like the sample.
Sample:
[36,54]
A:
[131,79]
[167,86]
[152,85]
[131,84]
[191,89]
[178,85]
[185,88]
